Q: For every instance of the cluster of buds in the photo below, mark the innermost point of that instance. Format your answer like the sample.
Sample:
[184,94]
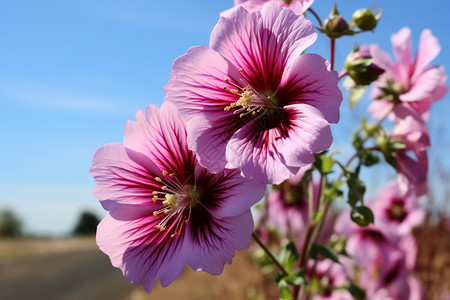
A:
[336,26]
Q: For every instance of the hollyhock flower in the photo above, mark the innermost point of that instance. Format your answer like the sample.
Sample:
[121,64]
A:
[382,262]
[328,278]
[297,6]
[396,213]
[165,210]
[412,161]
[251,101]
[287,205]
[410,82]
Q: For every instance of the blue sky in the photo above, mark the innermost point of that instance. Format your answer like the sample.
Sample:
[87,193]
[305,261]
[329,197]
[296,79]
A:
[73,72]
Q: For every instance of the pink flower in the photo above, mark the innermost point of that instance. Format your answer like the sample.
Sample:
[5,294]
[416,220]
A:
[287,206]
[409,82]
[329,278]
[251,101]
[297,6]
[165,210]
[396,213]
[411,162]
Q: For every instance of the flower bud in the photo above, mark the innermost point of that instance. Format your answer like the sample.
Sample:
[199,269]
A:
[365,19]
[361,68]
[335,26]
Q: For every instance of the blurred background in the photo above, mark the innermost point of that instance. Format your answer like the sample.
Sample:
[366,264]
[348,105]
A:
[73,72]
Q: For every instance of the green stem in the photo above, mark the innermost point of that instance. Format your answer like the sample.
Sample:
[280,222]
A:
[269,254]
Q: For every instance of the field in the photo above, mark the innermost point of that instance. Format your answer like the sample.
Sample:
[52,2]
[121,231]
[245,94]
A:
[76,269]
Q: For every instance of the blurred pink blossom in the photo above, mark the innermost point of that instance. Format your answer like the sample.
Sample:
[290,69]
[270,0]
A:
[411,162]
[409,82]
[396,213]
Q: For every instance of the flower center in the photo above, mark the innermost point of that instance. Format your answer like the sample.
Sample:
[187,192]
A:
[249,102]
[397,211]
[176,201]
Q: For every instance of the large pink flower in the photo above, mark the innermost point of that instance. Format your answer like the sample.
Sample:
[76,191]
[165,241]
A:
[251,100]
[165,210]
[410,82]
[297,6]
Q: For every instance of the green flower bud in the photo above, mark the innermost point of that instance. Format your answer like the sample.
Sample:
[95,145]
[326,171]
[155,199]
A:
[360,67]
[365,19]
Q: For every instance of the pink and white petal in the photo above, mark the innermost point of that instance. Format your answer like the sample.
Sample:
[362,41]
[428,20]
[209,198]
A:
[208,135]
[401,43]
[122,184]
[424,84]
[255,154]
[239,194]
[309,80]
[380,57]
[379,109]
[262,43]
[429,48]
[197,82]
[214,250]
[160,135]
[309,133]
[133,247]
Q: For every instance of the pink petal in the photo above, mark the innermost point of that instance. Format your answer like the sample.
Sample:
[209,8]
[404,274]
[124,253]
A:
[208,137]
[401,43]
[197,82]
[214,251]
[160,136]
[429,48]
[142,259]
[262,43]
[424,84]
[239,194]
[122,183]
[309,80]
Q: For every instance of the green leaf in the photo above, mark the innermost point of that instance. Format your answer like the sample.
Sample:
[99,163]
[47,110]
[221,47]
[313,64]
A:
[356,291]
[323,162]
[284,291]
[362,215]
[323,250]
[297,278]
[288,257]
[331,191]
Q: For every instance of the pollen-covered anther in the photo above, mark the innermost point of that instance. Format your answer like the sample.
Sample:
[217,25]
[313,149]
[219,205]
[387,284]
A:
[158,179]
[171,201]
[164,187]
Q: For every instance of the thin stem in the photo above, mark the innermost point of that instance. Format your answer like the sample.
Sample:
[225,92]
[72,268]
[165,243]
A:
[267,251]
[316,16]
[332,50]
[342,74]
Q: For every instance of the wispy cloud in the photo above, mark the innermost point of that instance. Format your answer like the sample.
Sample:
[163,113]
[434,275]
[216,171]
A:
[56,98]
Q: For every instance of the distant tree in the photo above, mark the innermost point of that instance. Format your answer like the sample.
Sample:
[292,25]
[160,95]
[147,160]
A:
[10,225]
[87,224]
